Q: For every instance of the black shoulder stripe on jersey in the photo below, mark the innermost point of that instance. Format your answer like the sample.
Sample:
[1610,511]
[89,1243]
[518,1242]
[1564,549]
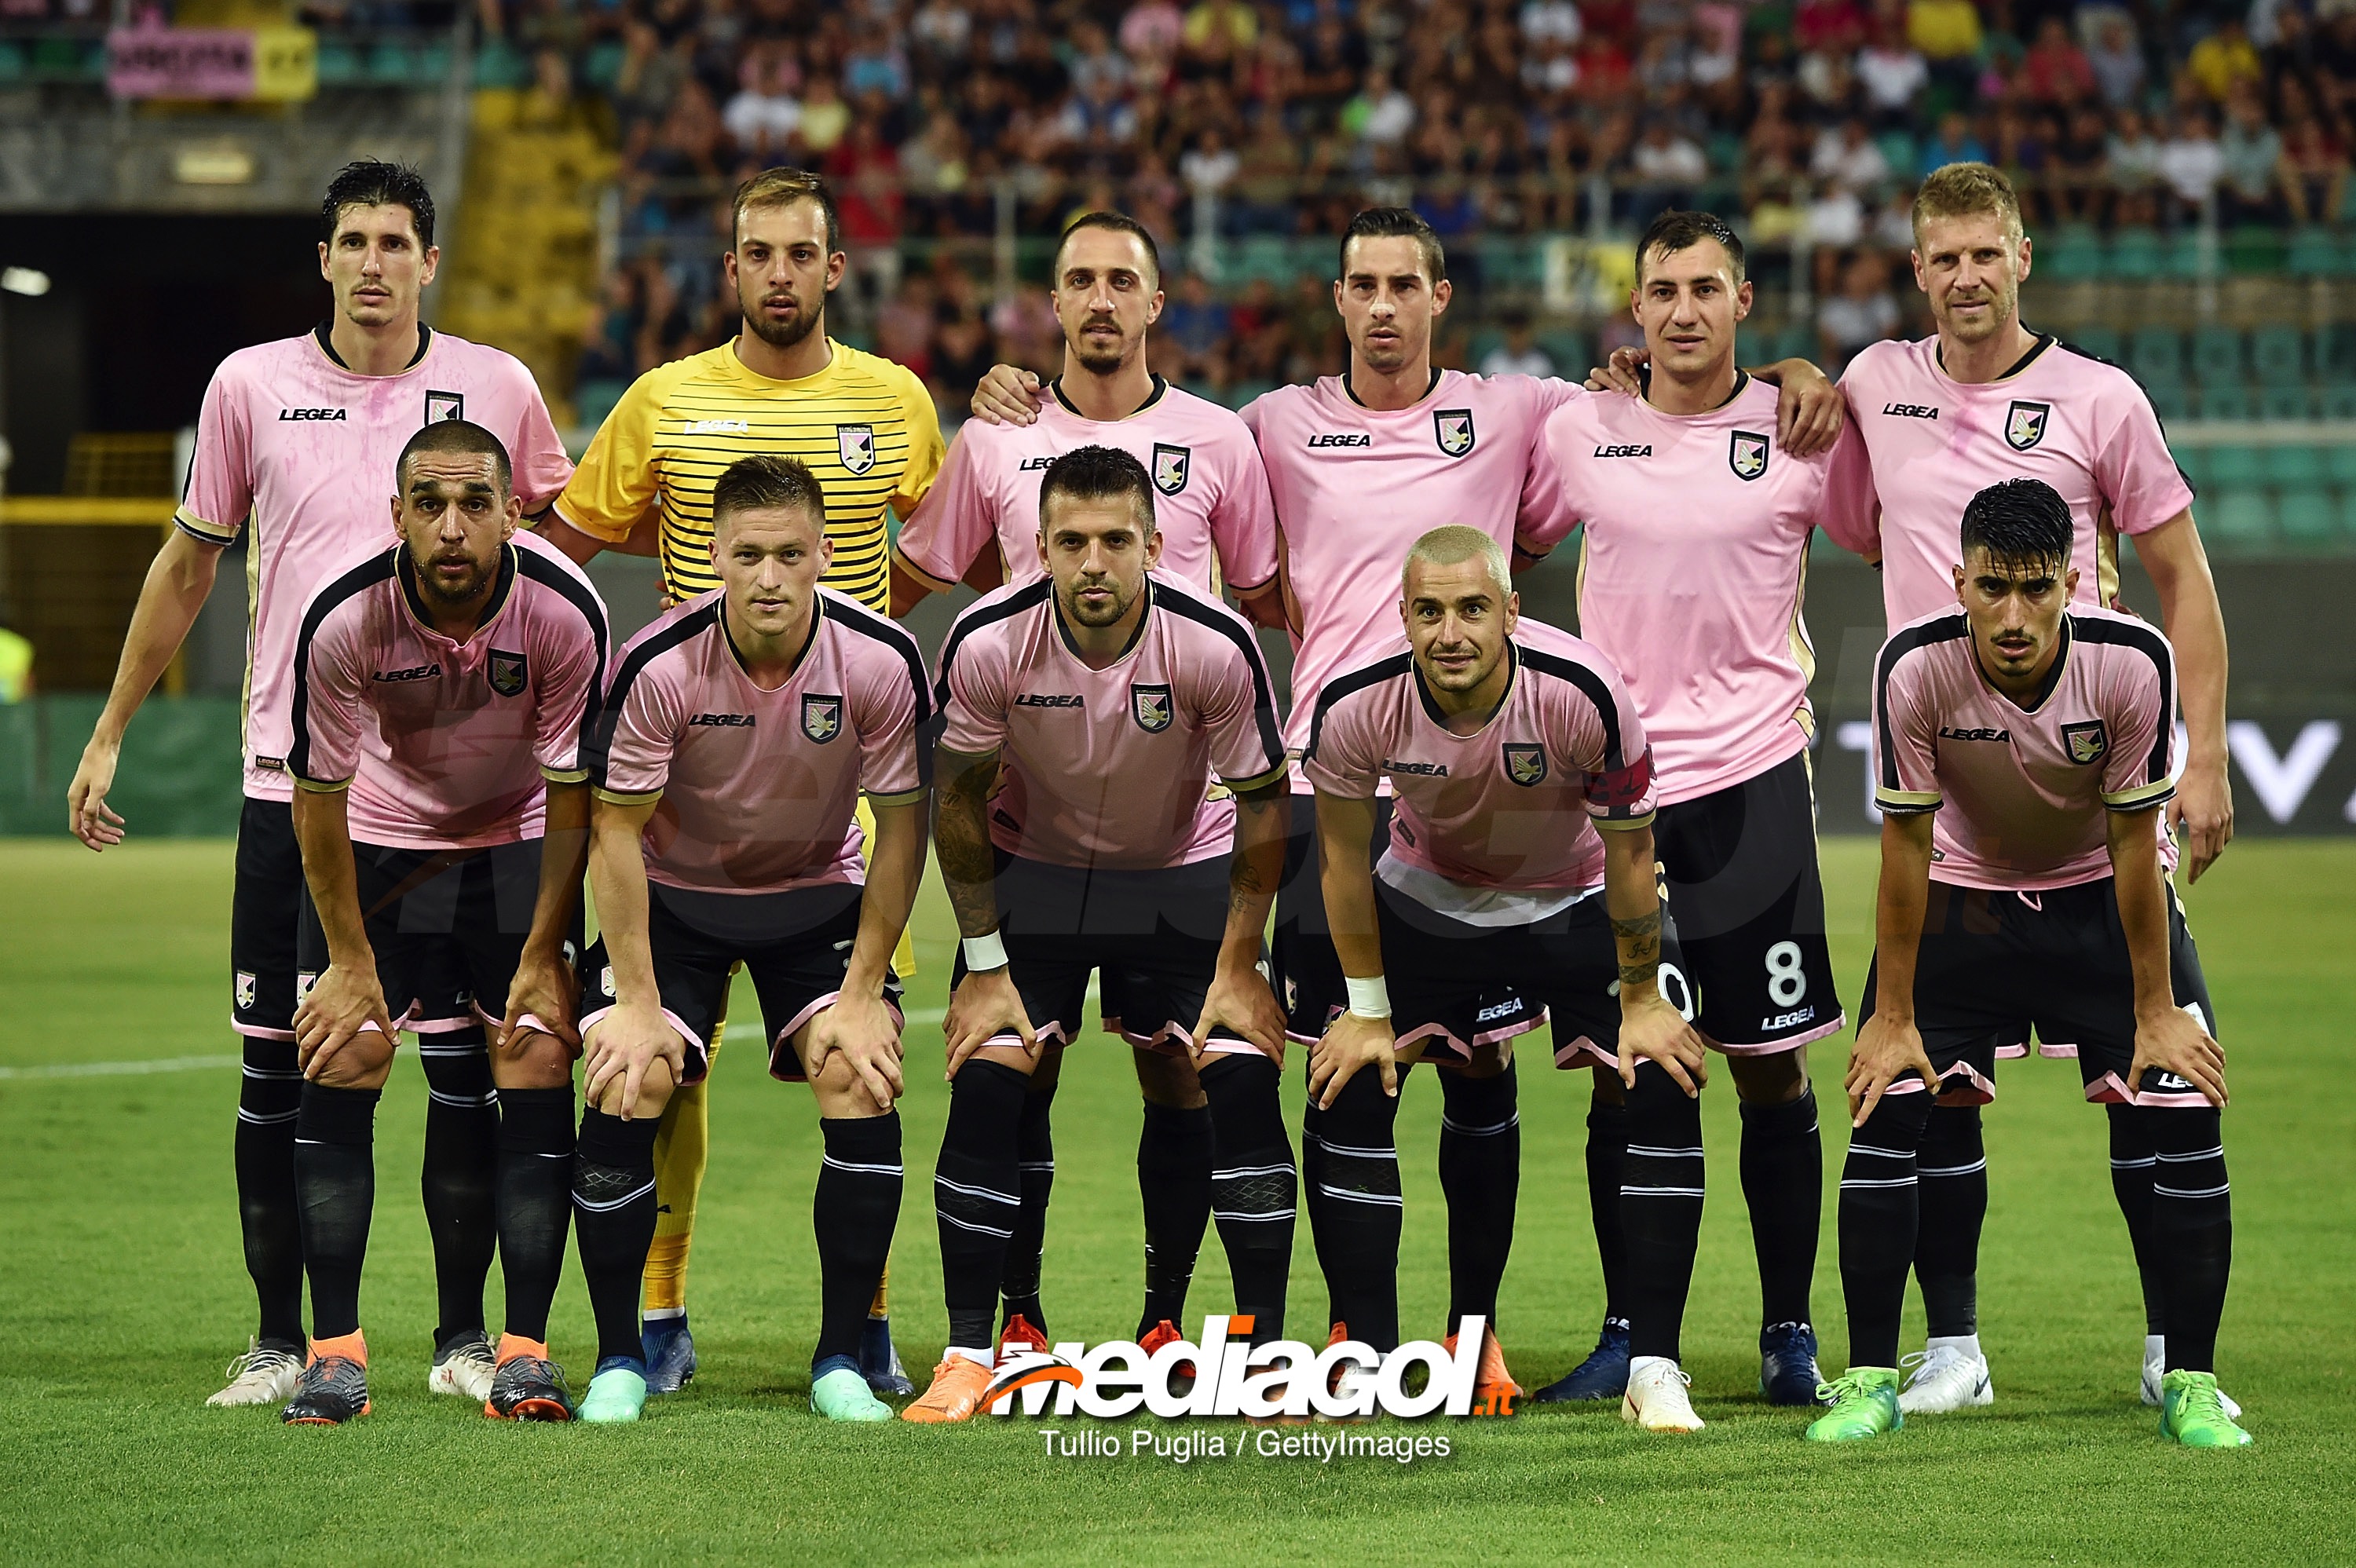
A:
[2132,634]
[852,616]
[1271,734]
[2137,382]
[548,574]
[1006,609]
[1591,686]
[1945,629]
[1356,680]
[597,739]
[359,580]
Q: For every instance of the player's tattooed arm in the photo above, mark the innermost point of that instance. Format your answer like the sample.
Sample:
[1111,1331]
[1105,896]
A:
[1887,1044]
[1239,999]
[1651,1029]
[986,1006]
[2167,1038]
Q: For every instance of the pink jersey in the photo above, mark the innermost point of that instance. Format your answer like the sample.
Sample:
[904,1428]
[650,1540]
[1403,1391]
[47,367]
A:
[305,448]
[759,789]
[1109,768]
[2062,416]
[2022,792]
[1691,573]
[444,745]
[1210,492]
[1514,804]
[1355,489]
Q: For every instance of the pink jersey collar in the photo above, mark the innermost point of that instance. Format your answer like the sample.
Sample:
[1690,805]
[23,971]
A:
[1151,398]
[2045,340]
[322,337]
[1351,393]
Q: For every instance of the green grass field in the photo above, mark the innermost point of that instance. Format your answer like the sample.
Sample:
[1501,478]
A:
[122,1292]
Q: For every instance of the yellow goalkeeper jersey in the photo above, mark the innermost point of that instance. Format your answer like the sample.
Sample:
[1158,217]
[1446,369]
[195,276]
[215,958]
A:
[864,425]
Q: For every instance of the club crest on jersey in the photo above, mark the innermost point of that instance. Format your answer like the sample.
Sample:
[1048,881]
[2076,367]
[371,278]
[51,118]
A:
[440,406]
[1170,464]
[1525,766]
[507,673]
[1151,707]
[2024,425]
[1747,455]
[821,717]
[856,445]
[1454,429]
[2087,742]
[246,987]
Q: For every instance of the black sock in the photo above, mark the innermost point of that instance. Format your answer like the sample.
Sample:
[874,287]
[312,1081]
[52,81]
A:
[461,1175]
[1660,1206]
[1359,1180]
[1034,1165]
[975,1195]
[1253,1189]
[1173,1176]
[1314,1203]
[1952,1194]
[2192,1229]
[1607,1153]
[1481,1172]
[854,1211]
[1783,1185]
[2133,1167]
[613,1213]
[535,1201]
[335,1184]
[268,1102]
[1879,1215]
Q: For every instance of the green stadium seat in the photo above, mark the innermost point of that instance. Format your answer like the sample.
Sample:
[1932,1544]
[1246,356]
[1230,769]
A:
[2340,402]
[501,64]
[2289,399]
[2156,354]
[2226,400]
[2278,353]
[429,67]
[2195,462]
[390,65]
[2314,253]
[2335,352]
[1486,342]
[1572,353]
[1511,261]
[2071,254]
[1318,258]
[2137,254]
[2307,517]
[2237,467]
[1898,146]
[601,66]
[2288,466]
[1243,392]
[12,62]
[1263,256]
[2241,521]
[2254,249]
[2217,355]
[2169,399]
[2103,342]
[339,64]
[593,400]
[2339,465]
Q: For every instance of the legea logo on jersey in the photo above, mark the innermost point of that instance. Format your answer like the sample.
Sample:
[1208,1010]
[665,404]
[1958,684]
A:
[855,444]
[1282,1377]
[718,427]
[2024,424]
[1340,438]
[1453,430]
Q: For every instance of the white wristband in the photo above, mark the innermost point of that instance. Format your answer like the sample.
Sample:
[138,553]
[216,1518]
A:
[985,952]
[1368,998]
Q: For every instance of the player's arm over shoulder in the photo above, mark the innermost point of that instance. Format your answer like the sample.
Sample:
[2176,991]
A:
[618,483]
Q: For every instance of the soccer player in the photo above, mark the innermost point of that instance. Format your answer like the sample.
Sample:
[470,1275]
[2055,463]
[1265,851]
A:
[1085,716]
[866,428]
[294,444]
[1690,575]
[981,523]
[739,732]
[2025,748]
[1507,745]
[440,689]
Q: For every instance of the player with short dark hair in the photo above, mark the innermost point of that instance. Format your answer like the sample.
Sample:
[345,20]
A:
[440,689]
[1691,565]
[2025,746]
[292,446]
[1506,745]
[740,732]
[1085,716]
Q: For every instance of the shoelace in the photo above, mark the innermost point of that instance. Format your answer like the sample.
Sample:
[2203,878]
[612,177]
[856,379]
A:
[256,1360]
[1929,1364]
[2200,1398]
[1846,1386]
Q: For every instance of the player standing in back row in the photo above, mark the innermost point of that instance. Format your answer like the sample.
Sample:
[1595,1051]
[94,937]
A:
[294,444]
[1697,529]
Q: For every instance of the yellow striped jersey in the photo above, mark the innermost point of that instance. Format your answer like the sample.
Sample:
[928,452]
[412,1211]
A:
[865,426]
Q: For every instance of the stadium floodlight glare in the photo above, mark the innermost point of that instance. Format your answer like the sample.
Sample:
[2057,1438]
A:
[28,281]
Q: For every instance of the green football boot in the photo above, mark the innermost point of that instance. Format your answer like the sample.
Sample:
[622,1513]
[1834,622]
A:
[617,1393]
[1863,1402]
[842,1394]
[2193,1412]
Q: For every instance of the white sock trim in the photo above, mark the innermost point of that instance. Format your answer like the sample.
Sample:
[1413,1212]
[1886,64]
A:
[1642,1366]
[1969,1344]
[984,1358]
[660,1314]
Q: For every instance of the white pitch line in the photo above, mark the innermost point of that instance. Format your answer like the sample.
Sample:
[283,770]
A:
[119,1069]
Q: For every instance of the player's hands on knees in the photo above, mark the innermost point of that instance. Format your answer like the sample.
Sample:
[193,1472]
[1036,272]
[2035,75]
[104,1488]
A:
[1808,410]
[1885,1049]
[1008,395]
[986,1004]
[1652,1030]
[1619,374]
[622,1046]
[1352,1043]
[543,987]
[2172,1042]
[1241,1003]
[2203,808]
[863,1030]
[88,816]
[342,1003]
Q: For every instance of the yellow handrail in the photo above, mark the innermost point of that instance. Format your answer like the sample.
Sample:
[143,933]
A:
[86,511]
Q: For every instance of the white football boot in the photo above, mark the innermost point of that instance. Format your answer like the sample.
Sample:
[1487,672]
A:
[1949,1374]
[1657,1398]
[464,1370]
[259,1377]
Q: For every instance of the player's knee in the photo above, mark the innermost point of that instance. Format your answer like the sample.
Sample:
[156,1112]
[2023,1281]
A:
[1609,1092]
[1773,1079]
[364,1061]
[1167,1079]
[527,1059]
[655,1090]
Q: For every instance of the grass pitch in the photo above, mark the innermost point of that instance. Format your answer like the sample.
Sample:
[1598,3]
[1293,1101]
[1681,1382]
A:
[122,1292]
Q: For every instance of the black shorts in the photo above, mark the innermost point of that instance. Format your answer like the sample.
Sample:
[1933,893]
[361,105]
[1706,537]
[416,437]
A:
[1742,881]
[448,927]
[263,921]
[796,945]
[1151,937]
[1993,966]
[1308,972]
[1446,976]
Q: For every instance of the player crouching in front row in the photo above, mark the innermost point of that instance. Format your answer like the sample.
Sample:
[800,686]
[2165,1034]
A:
[739,734]
[2024,747]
